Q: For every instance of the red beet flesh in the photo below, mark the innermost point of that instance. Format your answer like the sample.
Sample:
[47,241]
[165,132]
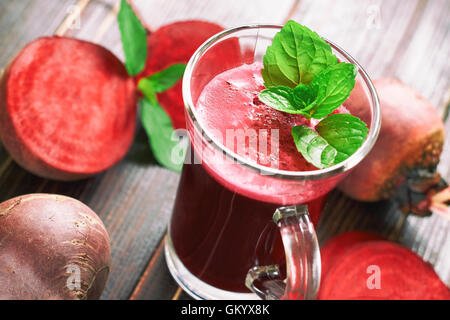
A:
[67,108]
[176,43]
[347,262]
[332,251]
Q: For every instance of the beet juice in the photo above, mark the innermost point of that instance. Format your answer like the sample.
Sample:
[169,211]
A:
[219,234]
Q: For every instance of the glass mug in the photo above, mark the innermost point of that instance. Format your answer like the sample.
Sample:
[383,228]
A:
[240,230]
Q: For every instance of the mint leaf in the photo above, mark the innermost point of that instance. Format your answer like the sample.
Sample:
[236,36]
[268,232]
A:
[157,123]
[329,89]
[296,101]
[163,80]
[332,86]
[337,138]
[346,133]
[305,96]
[314,148]
[134,39]
[158,127]
[296,56]
[280,98]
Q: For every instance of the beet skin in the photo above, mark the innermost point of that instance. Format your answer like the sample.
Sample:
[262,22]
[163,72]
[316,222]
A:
[67,108]
[46,242]
[411,138]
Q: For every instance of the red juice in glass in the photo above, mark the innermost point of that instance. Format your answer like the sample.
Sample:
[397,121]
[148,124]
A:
[220,217]
[247,202]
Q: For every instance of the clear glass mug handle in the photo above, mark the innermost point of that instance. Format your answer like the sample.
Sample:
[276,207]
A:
[303,267]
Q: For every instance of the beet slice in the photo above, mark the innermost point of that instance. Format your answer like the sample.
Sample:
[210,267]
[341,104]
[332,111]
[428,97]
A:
[176,43]
[403,274]
[52,247]
[333,249]
[67,108]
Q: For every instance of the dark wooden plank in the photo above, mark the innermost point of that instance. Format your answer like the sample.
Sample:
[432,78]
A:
[156,283]
[183,296]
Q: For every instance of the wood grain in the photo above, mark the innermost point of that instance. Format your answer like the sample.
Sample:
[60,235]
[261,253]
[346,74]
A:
[156,283]
[228,13]
[23,21]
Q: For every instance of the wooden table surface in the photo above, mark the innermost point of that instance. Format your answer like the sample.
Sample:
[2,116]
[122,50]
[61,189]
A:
[407,39]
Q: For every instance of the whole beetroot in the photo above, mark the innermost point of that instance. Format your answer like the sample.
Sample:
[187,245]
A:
[407,150]
[51,247]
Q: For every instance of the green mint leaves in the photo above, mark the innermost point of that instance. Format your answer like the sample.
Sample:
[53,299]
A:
[336,138]
[162,137]
[166,147]
[314,148]
[280,98]
[134,39]
[155,120]
[303,76]
[165,79]
[296,55]
[326,92]
[346,133]
[332,87]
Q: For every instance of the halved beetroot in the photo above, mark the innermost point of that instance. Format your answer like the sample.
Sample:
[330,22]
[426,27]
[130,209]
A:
[402,273]
[176,43]
[67,108]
